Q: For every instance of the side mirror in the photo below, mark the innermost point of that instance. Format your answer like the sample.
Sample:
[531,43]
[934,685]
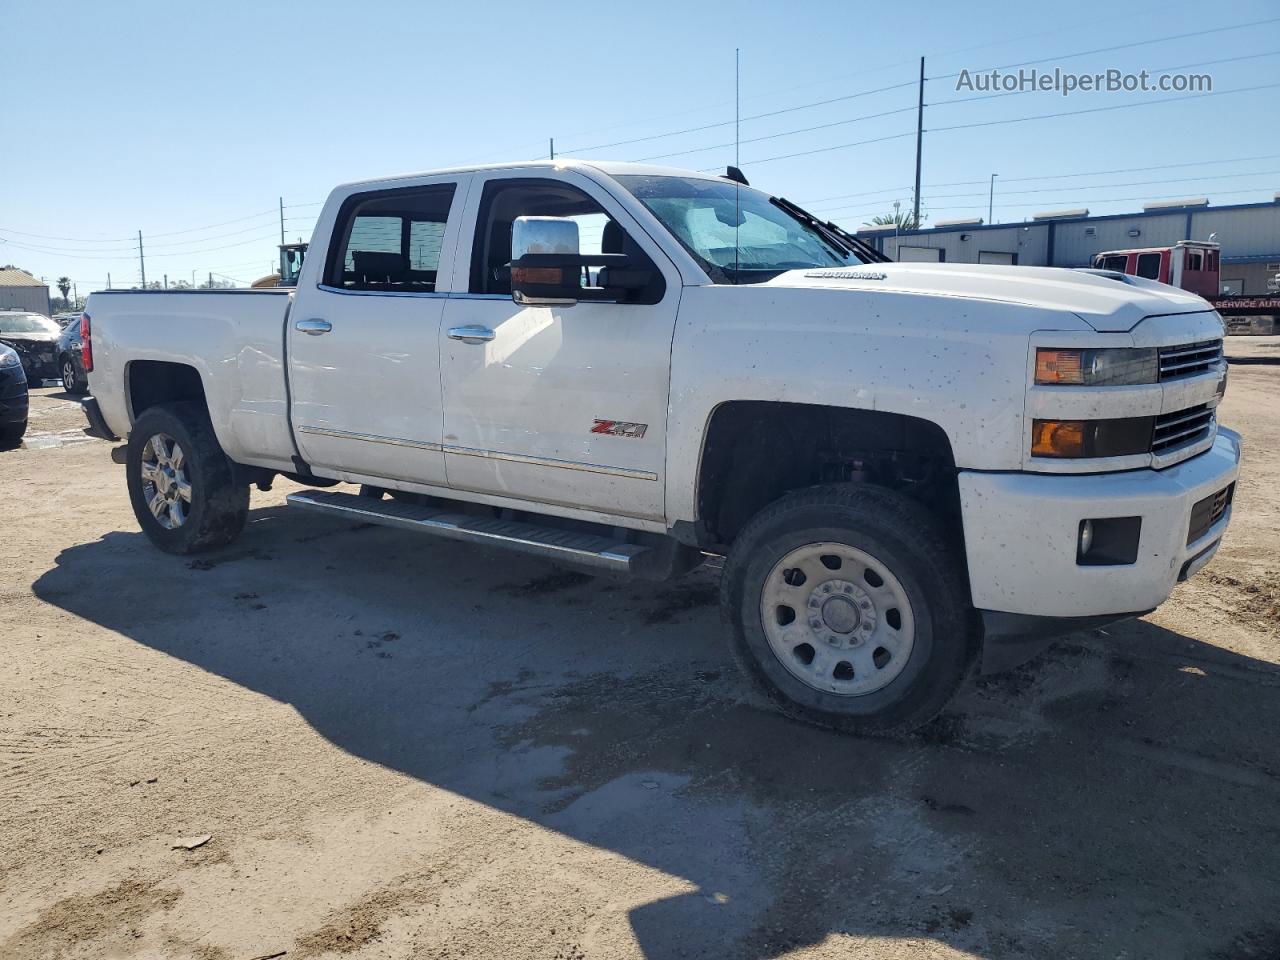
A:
[545,267]
[548,269]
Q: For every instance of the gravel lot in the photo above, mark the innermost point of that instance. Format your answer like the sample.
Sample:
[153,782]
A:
[403,747]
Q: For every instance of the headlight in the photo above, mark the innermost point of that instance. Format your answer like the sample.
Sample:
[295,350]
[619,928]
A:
[1104,367]
[8,359]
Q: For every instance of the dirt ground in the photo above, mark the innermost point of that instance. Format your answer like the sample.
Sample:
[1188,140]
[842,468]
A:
[408,748]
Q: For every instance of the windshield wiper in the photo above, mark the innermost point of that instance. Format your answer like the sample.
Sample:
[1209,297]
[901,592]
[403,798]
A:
[841,239]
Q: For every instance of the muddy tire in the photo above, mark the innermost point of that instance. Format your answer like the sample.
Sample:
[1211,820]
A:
[849,610]
[181,485]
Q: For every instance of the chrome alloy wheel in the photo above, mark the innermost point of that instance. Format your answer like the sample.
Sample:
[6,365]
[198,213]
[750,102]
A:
[837,619]
[68,375]
[164,481]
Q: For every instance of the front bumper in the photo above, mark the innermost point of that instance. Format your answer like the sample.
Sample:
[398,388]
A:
[1021,533]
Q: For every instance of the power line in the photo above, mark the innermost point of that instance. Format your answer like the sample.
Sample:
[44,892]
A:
[839,146]
[1118,106]
[1111,49]
[785,133]
[729,123]
[130,255]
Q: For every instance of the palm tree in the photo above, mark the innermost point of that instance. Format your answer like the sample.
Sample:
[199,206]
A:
[64,284]
[903,219]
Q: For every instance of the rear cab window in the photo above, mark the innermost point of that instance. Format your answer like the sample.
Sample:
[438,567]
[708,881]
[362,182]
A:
[391,240]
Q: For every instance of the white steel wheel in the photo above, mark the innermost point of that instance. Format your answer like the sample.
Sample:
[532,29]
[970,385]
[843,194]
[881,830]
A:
[837,619]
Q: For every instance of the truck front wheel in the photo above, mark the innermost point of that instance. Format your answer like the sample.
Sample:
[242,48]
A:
[181,485]
[848,609]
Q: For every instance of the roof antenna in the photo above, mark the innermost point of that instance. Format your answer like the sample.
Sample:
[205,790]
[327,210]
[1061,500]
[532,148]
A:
[733,172]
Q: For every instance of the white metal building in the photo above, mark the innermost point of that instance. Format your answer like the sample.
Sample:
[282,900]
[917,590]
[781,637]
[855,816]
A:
[1249,234]
[19,290]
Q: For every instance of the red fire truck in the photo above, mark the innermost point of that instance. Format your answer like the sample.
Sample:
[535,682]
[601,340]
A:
[1194,265]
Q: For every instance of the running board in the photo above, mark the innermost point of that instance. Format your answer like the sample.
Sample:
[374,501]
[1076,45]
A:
[579,549]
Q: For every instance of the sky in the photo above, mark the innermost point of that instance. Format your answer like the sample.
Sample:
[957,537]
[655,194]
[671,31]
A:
[190,122]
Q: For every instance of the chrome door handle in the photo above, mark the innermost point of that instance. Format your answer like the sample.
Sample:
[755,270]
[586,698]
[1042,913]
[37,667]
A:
[313,327]
[471,333]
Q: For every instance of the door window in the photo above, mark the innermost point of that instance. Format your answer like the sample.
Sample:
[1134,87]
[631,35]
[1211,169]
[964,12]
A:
[1116,262]
[504,200]
[390,240]
[1149,265]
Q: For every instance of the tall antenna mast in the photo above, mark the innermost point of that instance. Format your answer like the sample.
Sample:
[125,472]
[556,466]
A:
[737,122]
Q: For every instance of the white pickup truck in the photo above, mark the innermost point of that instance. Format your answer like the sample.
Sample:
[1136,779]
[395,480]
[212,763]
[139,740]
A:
[909,468]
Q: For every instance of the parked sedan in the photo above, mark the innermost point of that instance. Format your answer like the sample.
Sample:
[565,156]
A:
[34,337]
[13,397]
[71,361]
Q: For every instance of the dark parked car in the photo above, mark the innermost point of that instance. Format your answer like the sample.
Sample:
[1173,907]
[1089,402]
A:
[13,397]
[70,361]
[35,338]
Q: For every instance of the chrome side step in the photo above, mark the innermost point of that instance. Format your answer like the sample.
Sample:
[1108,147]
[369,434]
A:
[579,549]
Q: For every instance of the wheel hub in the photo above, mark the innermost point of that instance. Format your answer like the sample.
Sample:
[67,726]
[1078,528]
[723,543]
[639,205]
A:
[841,613]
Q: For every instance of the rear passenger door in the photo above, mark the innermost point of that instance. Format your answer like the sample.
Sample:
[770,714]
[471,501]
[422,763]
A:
[364,339]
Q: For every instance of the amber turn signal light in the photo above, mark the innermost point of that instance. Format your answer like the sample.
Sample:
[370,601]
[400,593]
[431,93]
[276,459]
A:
[1059,366]
[1057,438]
[551,275]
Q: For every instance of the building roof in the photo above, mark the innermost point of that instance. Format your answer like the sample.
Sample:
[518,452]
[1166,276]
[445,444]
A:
[19,278]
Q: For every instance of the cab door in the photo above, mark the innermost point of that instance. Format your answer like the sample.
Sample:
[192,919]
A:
[364,335]
[556,404]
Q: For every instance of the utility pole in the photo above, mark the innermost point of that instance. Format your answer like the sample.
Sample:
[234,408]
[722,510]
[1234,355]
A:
[108,281]
[991,197]
[142,261]
[166,281]
[75,296]
[282,221]
[210,279]
[915,215]
[552,142]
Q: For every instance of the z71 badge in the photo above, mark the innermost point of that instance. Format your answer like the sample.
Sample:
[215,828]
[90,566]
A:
[619,428]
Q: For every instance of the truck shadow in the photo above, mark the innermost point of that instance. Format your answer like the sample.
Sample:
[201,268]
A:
[1119,795]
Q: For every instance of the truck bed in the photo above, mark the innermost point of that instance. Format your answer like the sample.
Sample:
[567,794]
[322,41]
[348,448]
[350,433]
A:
[233,338]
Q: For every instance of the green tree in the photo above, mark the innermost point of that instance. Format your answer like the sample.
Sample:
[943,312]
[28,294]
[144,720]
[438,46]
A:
[904,219]
[64,285]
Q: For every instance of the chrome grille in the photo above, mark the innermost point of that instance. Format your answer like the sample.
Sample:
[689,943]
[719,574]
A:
[1173,430]
[1188,359]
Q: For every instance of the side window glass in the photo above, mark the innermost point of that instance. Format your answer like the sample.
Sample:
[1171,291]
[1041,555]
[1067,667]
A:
[1149,266]
[504,200]
[390,240]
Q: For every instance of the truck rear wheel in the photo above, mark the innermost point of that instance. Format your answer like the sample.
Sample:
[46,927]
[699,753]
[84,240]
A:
[848,609]
[181,485]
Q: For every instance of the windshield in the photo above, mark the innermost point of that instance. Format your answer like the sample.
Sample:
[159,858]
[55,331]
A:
[26,323]
[736,233]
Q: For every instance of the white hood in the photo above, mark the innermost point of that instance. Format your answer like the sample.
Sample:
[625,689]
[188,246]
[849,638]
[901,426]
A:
[1109,302]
